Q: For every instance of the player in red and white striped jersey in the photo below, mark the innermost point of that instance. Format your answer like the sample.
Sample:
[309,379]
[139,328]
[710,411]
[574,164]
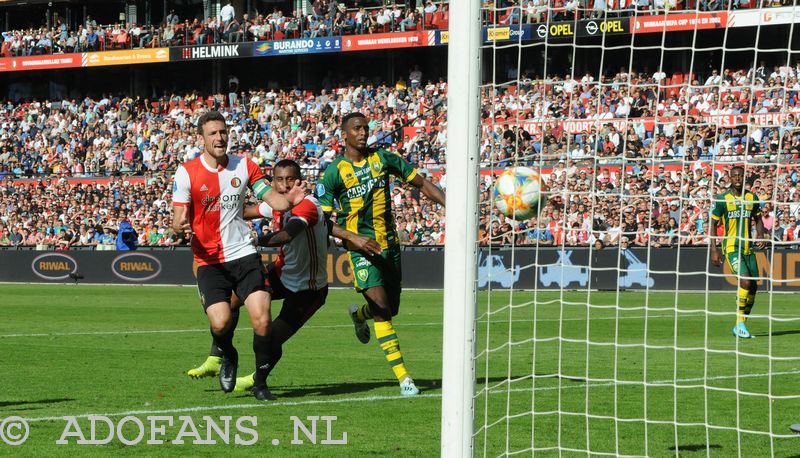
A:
[208,200]
[302,234]
[300,275]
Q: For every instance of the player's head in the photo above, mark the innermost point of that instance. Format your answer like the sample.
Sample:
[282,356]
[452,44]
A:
[737,177]
[356,130]
[211,127]
[285,174]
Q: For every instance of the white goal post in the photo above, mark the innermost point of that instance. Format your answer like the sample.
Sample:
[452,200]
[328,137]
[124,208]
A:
[615,338]
[463,137]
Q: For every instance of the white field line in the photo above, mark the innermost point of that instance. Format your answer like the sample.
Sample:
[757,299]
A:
[103,333]
[350,288]
[254,405]
[332,326]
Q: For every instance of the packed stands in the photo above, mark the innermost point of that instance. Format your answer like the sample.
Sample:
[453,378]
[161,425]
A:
[325,18]
[328,18]
[654,148]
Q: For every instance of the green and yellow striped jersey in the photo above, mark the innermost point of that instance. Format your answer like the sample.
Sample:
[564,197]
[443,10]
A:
[362,192]
[736,213]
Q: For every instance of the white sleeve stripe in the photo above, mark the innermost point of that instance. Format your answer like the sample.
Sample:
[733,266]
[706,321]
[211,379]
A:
[264,210]
[182,186]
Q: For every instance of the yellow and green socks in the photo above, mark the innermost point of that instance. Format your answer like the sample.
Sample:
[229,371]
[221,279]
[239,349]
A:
[364,313]
[751,299]
[741,302]
[387,337]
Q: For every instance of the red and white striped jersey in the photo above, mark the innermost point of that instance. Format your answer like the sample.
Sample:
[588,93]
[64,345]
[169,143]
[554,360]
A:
[215,201]
[303,262]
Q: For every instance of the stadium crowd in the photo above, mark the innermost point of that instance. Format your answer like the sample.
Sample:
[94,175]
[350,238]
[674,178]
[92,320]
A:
[533,11]
[72,170]
[324,18]
[327,18]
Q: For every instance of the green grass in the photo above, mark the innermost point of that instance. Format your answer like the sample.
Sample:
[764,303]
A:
[69,350]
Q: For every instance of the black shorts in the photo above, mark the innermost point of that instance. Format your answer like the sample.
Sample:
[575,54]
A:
[298,307]
[243,276]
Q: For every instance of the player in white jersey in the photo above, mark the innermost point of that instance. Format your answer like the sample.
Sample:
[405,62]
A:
[300,275]
[208,201]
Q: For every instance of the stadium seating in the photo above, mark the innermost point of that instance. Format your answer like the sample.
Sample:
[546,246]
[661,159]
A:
[422,147]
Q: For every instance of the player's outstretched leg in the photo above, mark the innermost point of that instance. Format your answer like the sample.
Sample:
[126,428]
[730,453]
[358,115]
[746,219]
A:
[387,336]
[360,315]
[210,367]
[219,315]
[297,309]
[263,367]
[258,306]
[230,359]
[279,332]
[751,298]
[740,329]
[390,344]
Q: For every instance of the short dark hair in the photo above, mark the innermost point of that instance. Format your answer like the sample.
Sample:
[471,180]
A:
[739,167]
[346,118]
[288,163]
[208,117]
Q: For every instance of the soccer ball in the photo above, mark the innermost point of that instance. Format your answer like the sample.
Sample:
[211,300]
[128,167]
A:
[517,192]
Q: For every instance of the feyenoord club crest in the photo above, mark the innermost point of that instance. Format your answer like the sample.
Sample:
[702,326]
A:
[236,182]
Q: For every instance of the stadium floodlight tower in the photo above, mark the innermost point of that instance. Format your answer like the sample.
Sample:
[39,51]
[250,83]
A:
[463,137]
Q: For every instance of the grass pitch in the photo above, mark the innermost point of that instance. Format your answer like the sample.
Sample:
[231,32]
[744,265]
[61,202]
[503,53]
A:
[657,375]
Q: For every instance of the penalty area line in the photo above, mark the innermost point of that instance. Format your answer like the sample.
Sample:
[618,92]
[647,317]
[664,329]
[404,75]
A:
[256,404]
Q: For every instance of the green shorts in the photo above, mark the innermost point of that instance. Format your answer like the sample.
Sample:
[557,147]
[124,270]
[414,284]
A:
[381,270]
[744,265]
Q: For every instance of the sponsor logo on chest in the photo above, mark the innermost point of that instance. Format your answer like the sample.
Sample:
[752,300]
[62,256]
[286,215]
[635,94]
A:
[230,197]
[736,214]
[366,187]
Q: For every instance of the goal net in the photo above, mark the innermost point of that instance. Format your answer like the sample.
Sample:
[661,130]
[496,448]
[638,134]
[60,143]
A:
[601,327]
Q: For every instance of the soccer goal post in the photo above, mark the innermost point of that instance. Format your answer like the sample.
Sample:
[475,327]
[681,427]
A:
[463,137]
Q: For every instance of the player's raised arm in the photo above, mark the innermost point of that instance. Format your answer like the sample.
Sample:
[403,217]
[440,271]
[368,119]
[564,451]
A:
[402,169]
[264,192]
[290,231]
[428,189]
[262,210]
